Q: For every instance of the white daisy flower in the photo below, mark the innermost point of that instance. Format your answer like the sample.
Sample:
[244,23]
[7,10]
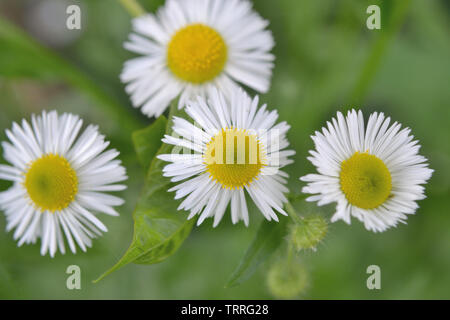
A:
[235,148]
[373,173]
[59,179]
[191,46]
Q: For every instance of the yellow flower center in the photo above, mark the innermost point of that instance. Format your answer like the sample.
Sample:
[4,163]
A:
[197,53]
[365,180]
[51,183]
[234,158]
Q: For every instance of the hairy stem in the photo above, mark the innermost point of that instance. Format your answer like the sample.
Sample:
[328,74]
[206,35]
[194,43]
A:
[293,213]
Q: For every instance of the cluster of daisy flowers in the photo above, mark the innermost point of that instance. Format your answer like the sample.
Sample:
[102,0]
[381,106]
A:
[201,52]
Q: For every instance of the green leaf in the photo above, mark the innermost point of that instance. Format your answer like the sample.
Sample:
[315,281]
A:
[267,240]
[147,141]
[21,56]
[152,5]
[159,228]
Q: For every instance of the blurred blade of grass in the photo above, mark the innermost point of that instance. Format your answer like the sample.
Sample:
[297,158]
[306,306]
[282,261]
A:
[21,56]
[396,12]
[133,7]
[9,108]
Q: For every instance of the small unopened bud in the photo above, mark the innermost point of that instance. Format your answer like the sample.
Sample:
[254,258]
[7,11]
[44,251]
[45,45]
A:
[287,279]
[309,232]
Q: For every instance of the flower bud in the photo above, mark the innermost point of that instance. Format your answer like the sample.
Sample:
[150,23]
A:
[309,232]
[287,279]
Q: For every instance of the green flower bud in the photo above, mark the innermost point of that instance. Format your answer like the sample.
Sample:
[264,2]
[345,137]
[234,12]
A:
[309,232]
[287,279]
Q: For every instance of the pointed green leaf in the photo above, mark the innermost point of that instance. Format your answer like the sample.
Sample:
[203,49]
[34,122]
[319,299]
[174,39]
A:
[159,228]
[267,240]
[147,141]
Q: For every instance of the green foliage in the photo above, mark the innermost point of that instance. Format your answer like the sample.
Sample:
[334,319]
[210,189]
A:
[152,5]
[133,7]
[23,57]
[159,228]
[326,59]
[147,141]
[395,13]
[300,233]
[267,240]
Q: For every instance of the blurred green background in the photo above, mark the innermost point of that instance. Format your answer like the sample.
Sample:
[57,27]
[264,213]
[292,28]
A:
[326,60]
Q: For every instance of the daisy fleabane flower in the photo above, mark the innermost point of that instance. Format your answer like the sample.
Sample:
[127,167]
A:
[192,46]
[373,173]
[235,148]
[59,182]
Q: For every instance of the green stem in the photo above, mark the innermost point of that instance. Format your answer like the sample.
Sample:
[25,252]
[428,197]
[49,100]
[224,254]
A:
[293,213]
[290,252]
[374,59]
[133,7]
[296,197]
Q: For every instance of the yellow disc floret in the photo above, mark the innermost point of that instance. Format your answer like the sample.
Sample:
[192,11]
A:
[234,158]
[51,183]
[197,53]
[365,180]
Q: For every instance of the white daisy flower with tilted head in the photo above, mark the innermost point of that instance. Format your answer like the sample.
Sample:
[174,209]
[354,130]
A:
[237,147]
[192,46]
[373,173]
[59,180]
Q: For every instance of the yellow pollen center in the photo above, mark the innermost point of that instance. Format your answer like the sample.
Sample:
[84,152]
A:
[234,158]
[51,183]
[197,53]
[365,180]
